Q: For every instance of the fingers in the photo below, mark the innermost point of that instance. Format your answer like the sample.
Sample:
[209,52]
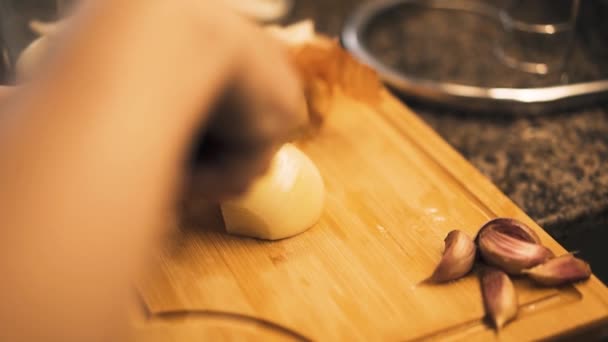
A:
[265,101]
[262,108]
[274,90]
[5,91]
[231,174]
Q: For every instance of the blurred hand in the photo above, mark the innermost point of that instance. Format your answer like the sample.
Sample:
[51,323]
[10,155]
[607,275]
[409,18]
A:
[5,92]
[94,143]
[260,109]
[256,107]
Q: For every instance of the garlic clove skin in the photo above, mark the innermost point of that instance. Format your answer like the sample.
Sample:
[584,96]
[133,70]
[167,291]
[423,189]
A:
[513,228]
[499,297]
[511,246]
[458,257]
[511,254]
[286,201]
[559,271]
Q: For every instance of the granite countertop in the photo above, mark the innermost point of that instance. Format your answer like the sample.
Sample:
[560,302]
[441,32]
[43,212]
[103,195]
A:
[555,166]
[550,166]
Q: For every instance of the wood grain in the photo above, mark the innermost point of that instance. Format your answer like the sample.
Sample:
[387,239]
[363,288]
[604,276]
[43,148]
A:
[394,190]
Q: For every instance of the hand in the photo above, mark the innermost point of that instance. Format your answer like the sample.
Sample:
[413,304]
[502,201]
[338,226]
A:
[260,102]
[5,91]
[261,109]
[95,142]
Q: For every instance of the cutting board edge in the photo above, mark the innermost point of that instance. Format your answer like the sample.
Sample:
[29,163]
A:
[485,192]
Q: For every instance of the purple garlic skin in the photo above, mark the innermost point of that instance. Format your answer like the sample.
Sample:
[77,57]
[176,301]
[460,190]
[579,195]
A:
[513,228]
[511,246]
[499,297]
[458,257]
[562,270]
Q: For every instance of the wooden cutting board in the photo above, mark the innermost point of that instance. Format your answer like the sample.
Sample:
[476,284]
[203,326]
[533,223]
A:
[394,190]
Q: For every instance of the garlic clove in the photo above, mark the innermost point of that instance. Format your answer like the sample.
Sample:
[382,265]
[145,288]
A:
[510,248]
[559,271]
[458,257]
[512,227]
[499,297]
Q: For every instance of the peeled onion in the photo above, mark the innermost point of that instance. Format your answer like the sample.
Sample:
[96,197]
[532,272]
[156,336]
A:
[286,201]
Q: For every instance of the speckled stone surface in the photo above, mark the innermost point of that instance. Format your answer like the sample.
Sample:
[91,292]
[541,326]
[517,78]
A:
[555,167]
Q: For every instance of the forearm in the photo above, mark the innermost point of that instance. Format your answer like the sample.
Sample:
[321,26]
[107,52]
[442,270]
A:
[81,200]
